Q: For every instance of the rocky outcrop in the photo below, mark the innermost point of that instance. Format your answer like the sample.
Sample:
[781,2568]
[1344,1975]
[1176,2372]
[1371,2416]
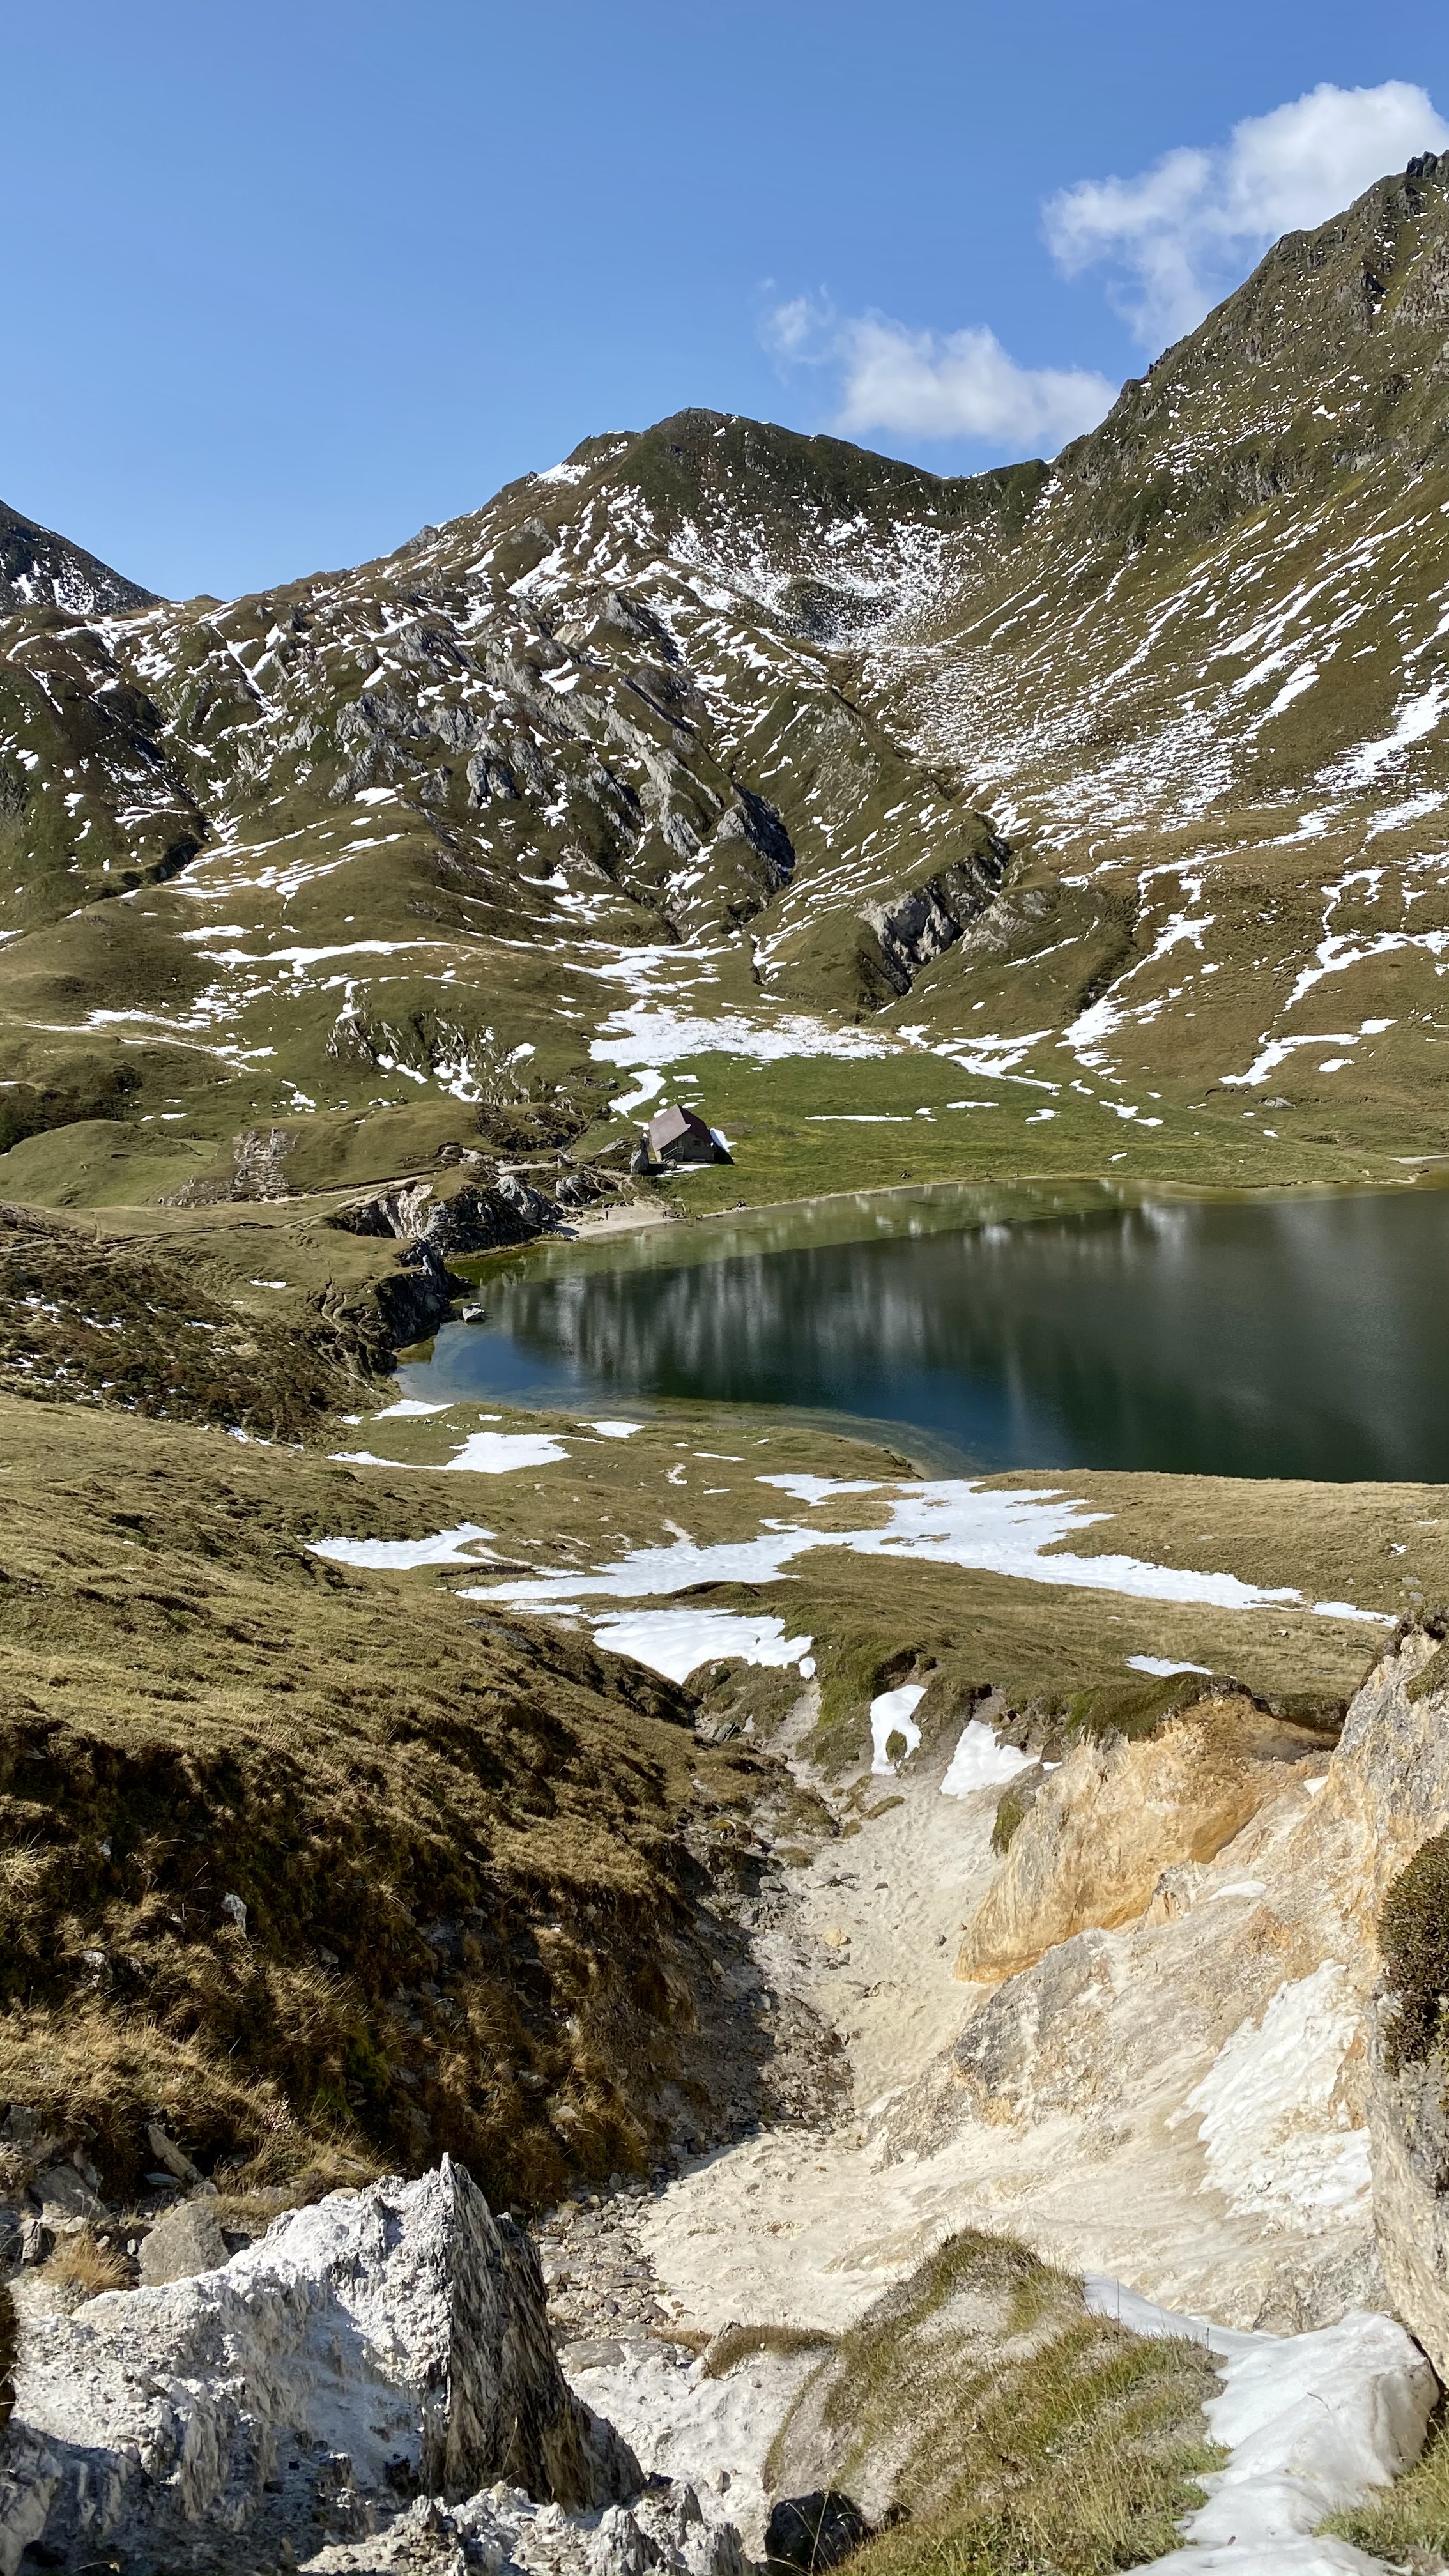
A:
[919,925]
[663,2531]
[185,2240]
[1104,1827]
[416,1298]
[7,2354]
[1198,2098]
[1389,1782]
[365,2351]
[1408,2103]
[1409,2144]
[533,1212]
[257,1159]
[477,1218]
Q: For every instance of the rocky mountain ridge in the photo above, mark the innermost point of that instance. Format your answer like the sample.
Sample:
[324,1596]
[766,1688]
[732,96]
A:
[723,724]
[39,569]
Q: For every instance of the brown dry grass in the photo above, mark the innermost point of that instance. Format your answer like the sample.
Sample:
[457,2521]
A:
[734,2344]
[80,2263]
[104,1323]
[467,1848]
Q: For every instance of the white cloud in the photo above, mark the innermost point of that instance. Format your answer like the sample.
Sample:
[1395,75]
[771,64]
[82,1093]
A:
[1181,234]
[932,384]
[794,330]
[962,384]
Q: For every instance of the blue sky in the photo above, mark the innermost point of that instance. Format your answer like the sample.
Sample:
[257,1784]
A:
[285,281]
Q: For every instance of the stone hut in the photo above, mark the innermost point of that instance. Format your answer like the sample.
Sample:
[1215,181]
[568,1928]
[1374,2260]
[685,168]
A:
[678,1136]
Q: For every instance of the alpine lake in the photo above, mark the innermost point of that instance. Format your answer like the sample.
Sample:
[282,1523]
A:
[1297,1335]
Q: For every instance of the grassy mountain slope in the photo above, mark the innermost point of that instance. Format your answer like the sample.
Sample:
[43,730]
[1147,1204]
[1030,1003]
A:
[477,1875]
[1206,689]
[1114,785]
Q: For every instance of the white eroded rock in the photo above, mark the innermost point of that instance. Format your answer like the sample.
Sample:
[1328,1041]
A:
[665,2533]
[370,2347]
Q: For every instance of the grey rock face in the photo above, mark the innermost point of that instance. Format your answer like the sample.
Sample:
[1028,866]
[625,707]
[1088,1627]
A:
[413,1301]
[66,2200]
[187,2240]
[1400,1724]
[365,2350]
[926,920]
[474,1219]
[531,1205]
[258,1160]
[1409,2134]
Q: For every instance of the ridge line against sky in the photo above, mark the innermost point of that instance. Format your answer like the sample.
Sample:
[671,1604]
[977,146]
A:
[1173,240]
[285,288]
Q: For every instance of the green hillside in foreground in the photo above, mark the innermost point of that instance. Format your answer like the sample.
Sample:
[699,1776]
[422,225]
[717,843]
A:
[1108,794]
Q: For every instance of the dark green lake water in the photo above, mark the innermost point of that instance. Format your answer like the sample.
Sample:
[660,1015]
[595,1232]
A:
[1300,1336]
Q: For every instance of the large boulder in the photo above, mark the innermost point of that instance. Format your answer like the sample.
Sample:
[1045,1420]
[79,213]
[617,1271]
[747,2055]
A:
[476,1218]
[367,2350]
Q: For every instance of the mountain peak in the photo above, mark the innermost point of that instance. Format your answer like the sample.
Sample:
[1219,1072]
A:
[39,569]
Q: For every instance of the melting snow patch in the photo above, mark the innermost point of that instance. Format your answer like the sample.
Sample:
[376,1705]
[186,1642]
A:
[649,1034]
[1311,2423]
[649,1084]
[979,1762]
[819,1489]
[1417,718]
[613,1430]
[400,1555]
[677,1642]
[407,1406]
[891,1714]
[1276,2140]
[951,1522]
[483,1453]
[1159,1665]
[496,1453]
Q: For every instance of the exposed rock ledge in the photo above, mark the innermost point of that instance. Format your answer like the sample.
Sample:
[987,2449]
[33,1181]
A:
[364,2352]
[1117,1814]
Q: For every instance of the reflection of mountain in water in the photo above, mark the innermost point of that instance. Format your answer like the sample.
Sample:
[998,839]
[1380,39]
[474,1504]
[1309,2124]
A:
[1274,1339]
